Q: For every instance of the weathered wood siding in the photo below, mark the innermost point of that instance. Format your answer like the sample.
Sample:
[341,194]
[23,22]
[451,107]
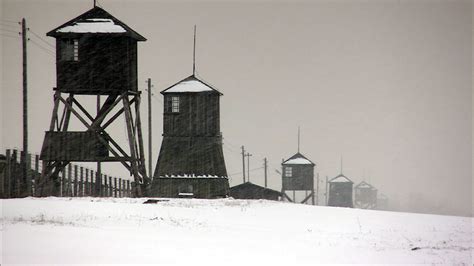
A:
[106,65]
[340,194]
[302,177]
[201,187]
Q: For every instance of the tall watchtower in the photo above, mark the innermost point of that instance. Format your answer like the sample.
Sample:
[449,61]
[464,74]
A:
[96,55]
[191,161]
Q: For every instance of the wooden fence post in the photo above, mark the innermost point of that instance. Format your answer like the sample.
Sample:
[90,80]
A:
[111,188]
[28,184]
[124,187]
[120,187]
[92,184]
[106,187]
[14,176]
[115,187]
[128,189]
[8,174]
[36,176]
[81,182]
[75,182]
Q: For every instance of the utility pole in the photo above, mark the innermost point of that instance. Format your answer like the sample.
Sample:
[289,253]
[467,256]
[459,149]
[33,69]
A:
[248,166]
[265,166]
[243,162]
[317,189]
[326,194]
[25,109]
[149,130]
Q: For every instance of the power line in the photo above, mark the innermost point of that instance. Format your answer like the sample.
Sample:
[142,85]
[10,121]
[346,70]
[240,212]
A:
[9,21]
[11,31]
[10,36]
[39,37]
[42,48]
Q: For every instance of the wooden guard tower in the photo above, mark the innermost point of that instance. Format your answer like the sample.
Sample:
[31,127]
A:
[298,175]
[191,161]
[365,196]
[340,192]
[96,55]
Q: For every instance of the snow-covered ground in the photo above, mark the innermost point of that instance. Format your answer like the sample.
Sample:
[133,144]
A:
[223,232]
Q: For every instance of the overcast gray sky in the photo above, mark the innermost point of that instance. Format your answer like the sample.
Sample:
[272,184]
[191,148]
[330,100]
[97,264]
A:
[385,84]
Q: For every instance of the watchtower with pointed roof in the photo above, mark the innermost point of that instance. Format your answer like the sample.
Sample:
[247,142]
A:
[298,175]
[365,196]
[340,191]
[191,160]
[96,55]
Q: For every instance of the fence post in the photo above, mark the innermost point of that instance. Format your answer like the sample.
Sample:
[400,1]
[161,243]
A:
[75,182]
[128,189]
[124,188]
[106,187]
[120,187]
[36,176]
[28,188]
[80,190]
[92,184]
[111,188]
[115,187]
[8,174]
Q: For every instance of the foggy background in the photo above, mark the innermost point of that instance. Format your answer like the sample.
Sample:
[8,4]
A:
[384,84]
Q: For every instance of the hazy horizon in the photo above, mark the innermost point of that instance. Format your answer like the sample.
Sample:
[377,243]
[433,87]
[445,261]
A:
[387,85]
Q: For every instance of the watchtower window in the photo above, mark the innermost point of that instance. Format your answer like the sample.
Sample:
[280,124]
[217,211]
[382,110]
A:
[70,50]
[175,104]
[288,171]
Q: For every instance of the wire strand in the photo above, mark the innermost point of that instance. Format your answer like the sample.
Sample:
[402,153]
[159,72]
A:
[39,37]
[44,49]
[11,31]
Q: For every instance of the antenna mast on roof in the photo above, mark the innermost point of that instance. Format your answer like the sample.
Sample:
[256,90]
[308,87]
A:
[298,139]
[341,164]
[194,52]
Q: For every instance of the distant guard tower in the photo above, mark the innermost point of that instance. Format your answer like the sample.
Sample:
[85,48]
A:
[96,55]
[191,161]
[298,175]
[340,192]
[365,196]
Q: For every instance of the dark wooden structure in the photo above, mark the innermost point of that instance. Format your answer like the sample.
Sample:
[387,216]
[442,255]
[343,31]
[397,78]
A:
[340,192]
[249,190]
[298,175]
[382,202]
[191,160]
[96,55]
[365,196]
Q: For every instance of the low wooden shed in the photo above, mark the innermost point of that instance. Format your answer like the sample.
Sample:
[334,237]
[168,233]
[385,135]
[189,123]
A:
[249,190]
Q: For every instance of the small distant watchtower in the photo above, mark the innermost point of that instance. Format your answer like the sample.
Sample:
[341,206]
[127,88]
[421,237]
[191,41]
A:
[365,196]
[340,192]
[298,175]
[96,55]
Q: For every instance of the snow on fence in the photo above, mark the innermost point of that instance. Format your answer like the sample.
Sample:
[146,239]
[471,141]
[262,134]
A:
[75,180]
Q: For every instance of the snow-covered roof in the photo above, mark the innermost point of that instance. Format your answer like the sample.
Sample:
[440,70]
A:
[340,179]
[93,25]
[298,158]
[192,176]
[190,84]
[364,184]
[95,21]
